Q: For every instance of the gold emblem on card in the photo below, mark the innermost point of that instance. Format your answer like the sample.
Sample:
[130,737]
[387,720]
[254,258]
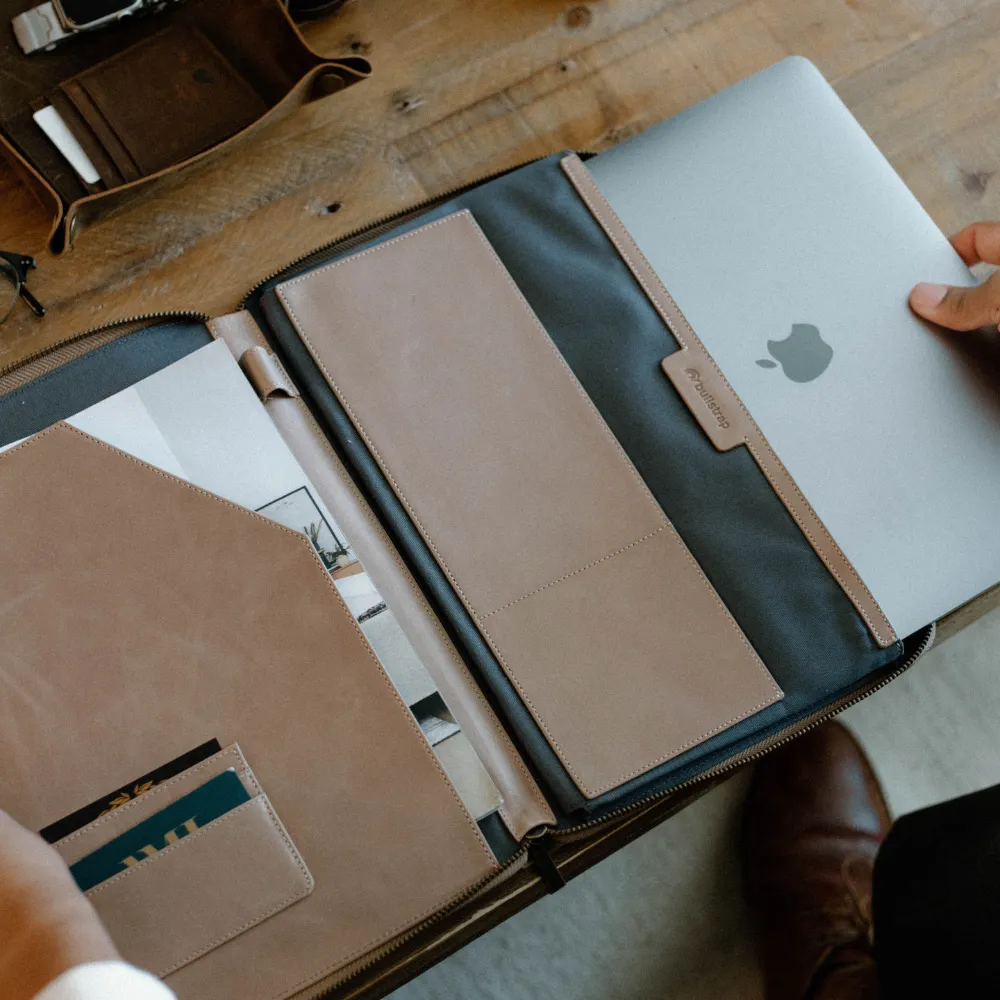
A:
[125,796]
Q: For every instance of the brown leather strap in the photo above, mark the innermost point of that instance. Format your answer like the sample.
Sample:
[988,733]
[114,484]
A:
[717,408]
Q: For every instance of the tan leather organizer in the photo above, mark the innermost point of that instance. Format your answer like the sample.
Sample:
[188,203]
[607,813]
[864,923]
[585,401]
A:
[143,616]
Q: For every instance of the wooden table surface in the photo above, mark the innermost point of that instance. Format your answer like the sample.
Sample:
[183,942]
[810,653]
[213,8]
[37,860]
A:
[462,88]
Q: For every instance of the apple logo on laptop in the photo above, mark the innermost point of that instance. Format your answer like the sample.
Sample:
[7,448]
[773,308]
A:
[803,354]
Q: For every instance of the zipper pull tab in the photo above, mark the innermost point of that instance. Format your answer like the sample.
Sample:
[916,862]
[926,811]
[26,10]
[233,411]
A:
[539,856]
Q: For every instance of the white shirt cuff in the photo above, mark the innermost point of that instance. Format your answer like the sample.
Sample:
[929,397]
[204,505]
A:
[106,981]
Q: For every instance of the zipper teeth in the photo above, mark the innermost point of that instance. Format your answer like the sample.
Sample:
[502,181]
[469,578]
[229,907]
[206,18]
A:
[366,232]
[759,750]
[422,926]
[28,359]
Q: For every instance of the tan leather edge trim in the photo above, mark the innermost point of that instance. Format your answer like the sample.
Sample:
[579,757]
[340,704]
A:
[38,186]
[478,618]
[524,807]
[693,353]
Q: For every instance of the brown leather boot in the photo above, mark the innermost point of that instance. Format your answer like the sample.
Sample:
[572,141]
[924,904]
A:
[814,821]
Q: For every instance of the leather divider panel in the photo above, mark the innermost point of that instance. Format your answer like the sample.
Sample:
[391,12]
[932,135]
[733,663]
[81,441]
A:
[142,616]
[571,570]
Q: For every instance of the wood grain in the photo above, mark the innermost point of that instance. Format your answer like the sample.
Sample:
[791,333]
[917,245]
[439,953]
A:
[464,87]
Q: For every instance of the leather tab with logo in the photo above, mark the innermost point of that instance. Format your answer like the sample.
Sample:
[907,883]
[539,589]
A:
[708,396]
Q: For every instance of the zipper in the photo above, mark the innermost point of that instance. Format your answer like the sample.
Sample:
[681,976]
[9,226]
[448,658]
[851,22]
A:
[77,337]
[758,750]
[328,988]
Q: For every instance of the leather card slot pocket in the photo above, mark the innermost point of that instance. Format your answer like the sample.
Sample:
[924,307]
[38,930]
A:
[88,838]
[204,890]
[570,569]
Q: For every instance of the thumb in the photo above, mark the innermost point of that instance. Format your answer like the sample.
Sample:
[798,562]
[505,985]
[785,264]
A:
[959,308]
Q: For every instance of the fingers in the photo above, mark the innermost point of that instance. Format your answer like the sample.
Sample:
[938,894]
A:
[47,925]
[978,242]
[959,308]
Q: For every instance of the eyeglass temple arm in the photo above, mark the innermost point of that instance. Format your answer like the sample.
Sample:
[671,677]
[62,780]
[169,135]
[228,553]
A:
[36,307]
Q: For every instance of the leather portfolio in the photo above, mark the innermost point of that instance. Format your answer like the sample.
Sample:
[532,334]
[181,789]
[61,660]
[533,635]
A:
[617,607]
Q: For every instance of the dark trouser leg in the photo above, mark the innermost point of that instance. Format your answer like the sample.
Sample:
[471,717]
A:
[936,901]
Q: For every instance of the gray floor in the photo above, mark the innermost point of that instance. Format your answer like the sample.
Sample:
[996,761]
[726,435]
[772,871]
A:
[664,918]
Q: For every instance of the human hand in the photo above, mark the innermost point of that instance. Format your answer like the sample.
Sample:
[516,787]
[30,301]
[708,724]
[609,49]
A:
[965,308]
[47,926]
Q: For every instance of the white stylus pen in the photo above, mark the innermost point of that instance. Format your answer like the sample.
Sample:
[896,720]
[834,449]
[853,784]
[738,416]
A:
[51,123]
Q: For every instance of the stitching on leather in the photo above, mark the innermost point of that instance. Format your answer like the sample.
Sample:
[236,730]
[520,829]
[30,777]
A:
[230,751]
[316,561]
[417,594]
[546,339]
[214,825]
[309,883]
[399,928]
[576,572]
[621,779]
[304,890]
[583,183]
[444,565]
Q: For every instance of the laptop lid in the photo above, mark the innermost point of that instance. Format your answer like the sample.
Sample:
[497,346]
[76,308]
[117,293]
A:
[791,246]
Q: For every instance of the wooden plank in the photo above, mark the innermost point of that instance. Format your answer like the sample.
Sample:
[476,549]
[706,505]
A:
[203,243]
[460,88]
[934,110]
[968,613]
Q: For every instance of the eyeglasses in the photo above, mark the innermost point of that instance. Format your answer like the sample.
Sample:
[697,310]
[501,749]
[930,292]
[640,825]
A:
[14,268]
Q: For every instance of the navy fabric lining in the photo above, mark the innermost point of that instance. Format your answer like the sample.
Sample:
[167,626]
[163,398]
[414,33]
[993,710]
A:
[88,379]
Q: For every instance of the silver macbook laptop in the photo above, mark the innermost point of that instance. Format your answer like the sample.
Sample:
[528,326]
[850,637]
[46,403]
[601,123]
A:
[791,246]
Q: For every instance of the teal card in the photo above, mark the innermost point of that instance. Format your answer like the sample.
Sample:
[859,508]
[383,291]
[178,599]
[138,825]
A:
[215,798]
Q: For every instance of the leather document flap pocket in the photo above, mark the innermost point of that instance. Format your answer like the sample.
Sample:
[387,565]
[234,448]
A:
[203,890]
[142,618]
[616,641]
